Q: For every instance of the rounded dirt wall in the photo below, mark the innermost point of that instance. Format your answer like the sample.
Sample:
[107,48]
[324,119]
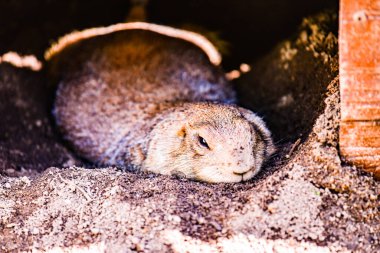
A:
[252,28]
[288,85]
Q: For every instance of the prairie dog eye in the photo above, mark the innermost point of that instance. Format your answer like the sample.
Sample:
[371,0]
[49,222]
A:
[203,142]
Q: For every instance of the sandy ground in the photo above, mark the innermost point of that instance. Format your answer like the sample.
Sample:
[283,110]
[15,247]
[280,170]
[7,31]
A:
[306,200]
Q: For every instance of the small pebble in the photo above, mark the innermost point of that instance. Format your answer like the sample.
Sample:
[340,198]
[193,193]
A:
[95,231]
[25,180]
[10,225]
[216,225]
[35,231]
[372,197]
[139,247]
[135,240]
[201,220]
[176,219]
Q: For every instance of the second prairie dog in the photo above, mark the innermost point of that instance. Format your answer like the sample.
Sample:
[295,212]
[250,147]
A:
[145,101]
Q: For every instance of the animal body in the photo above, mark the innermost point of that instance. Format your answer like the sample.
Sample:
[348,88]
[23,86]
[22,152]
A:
[142,100]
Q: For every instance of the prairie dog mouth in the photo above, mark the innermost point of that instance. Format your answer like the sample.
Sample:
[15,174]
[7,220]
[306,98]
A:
[215,175]
[249,175]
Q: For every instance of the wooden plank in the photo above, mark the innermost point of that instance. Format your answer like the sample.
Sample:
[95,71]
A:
[360,134]
[360,59]
[360,144]
[360,95]
[363,36]
[359,67]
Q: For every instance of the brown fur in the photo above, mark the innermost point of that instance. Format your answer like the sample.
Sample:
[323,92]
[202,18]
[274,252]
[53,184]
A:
[138,99]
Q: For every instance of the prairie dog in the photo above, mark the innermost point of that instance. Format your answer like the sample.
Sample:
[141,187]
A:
[142,100]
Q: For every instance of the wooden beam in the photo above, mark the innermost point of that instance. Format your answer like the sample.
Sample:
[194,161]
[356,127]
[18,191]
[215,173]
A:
[359,67]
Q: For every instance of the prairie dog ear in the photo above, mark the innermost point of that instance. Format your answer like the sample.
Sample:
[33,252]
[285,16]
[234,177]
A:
[259,126]
[182,132]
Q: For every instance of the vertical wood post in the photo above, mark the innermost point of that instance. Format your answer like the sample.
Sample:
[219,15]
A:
[359,67]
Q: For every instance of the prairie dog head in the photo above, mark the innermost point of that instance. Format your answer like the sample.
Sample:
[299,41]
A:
[209,142]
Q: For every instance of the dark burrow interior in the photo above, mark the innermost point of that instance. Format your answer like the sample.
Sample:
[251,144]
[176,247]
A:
[289,99]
